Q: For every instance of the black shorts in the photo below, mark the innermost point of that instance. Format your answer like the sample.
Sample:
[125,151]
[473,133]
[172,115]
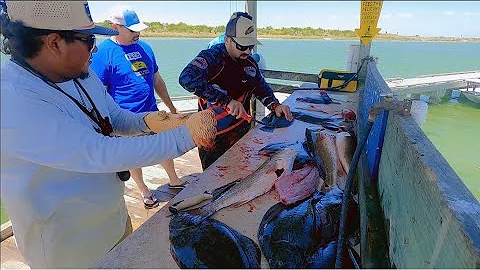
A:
[222,143]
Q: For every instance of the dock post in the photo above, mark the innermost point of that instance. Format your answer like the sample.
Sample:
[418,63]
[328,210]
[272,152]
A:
[363,54]
[251,8]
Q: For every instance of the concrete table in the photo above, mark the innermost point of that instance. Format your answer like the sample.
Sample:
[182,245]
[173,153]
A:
[149,245]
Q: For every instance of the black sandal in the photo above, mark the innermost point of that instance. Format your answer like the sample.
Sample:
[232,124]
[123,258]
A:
[181,186]
[154,203]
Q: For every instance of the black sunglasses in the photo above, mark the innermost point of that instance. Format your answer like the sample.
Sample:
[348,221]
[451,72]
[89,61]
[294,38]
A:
[241,47]
[90,41]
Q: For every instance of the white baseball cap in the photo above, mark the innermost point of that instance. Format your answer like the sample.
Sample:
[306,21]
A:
[56,15]
[124,15]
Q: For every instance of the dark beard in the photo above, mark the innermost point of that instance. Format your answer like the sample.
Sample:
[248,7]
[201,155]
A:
[241,61]
[83,76]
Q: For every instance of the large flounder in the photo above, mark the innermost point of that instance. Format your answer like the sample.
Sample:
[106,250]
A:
[210,244]
[304,235]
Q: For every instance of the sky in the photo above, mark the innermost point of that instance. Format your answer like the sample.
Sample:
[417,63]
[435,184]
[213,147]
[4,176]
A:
[424,18]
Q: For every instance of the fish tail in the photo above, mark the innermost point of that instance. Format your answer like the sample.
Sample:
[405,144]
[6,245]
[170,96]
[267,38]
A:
[202,215]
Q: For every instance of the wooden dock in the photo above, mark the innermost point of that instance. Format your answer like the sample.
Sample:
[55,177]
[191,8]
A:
[436,85]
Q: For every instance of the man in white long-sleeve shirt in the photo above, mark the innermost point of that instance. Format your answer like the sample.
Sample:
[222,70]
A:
[59,157]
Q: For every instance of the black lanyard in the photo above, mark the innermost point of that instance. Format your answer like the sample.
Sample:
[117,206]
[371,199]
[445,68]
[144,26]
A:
[103,123]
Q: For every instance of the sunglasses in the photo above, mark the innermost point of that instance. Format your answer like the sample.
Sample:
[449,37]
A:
[241,47]
[90,41]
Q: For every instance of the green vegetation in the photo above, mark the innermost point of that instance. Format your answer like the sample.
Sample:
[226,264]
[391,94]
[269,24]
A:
[157,29]
[3,214]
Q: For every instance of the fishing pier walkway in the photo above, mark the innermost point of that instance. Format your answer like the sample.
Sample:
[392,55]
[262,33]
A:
[435,85]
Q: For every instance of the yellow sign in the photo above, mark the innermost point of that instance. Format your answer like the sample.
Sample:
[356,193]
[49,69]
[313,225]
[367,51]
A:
[369,15]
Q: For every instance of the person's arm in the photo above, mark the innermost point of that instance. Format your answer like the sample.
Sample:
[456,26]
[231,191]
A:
[43,134]
[161,90]
[195,76]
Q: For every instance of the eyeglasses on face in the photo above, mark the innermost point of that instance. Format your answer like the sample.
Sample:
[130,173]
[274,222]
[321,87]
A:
[90,41]
[241,47]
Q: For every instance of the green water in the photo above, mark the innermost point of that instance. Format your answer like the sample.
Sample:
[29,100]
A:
[451,127]
[454,129]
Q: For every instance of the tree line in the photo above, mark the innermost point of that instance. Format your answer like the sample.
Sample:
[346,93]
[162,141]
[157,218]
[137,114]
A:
[158,29]
[164,28]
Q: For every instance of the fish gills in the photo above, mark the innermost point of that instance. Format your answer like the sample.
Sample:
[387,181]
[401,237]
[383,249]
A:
[345,144]
[258,183]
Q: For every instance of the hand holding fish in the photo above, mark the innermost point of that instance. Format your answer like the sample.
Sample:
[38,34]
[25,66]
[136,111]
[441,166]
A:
[202,127]
[285,110]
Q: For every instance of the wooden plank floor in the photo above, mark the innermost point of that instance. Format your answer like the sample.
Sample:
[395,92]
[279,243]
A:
[187,167]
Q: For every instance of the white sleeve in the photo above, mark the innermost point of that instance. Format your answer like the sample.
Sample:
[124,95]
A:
[125,122]
[41,133]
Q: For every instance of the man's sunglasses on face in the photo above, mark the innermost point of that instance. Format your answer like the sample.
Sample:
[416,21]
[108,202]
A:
[241,47]
[89,40]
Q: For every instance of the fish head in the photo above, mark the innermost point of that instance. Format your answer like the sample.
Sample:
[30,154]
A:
[284,160]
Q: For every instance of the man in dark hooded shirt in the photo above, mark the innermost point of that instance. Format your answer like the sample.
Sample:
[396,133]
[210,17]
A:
[224,77]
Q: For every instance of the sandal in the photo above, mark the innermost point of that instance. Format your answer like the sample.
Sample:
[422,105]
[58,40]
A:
[181,186]
[154,203]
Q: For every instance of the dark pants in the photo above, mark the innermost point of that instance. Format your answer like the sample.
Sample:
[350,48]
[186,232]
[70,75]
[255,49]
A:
[222,143]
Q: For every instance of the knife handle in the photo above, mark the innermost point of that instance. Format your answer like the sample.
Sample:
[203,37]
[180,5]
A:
[190,201]
[247,117]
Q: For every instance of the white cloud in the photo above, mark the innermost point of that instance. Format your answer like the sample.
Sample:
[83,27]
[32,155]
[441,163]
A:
[405,15]
[449,13]
[333,17]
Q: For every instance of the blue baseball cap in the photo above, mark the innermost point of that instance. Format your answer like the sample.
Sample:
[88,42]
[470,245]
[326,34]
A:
[124,15]
[56,15]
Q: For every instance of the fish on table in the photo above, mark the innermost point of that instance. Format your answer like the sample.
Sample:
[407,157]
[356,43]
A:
[211,244]
[332,122]
[332,153]
[301,159]
[321,145]
[304,235]
[272,122]
[256,184]
[345,144]
[298,184]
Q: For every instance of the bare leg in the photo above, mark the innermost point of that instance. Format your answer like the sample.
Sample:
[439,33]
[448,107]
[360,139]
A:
[138,178]
[169,167]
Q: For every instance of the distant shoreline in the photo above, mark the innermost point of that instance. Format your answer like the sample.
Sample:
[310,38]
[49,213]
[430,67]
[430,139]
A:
[383,37]
[183,30]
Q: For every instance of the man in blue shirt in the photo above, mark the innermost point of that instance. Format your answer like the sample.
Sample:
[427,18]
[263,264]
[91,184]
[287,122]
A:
[128,68]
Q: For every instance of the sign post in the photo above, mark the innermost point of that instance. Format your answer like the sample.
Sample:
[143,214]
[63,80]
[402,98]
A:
[369,15]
